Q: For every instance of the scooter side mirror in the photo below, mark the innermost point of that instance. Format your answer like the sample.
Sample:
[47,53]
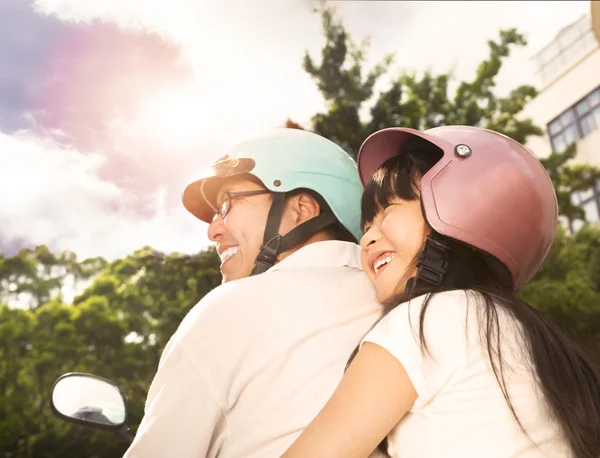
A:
[91,401]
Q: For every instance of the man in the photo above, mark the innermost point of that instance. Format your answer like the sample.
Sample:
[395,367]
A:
[254,362]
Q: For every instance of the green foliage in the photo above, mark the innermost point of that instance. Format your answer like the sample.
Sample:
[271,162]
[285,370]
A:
[567,286]
[419,102]
[569,177]
[116,328]
[425,101]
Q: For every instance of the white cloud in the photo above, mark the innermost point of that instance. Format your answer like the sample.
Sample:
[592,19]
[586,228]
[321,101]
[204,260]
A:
[53,195]
[247,58]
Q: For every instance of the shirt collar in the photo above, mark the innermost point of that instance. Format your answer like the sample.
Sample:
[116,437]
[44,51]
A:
[330,253]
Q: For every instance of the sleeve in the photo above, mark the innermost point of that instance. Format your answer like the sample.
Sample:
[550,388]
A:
[182,418]
[445,335]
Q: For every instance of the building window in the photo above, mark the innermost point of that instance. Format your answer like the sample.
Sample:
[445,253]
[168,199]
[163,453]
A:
[588,110]
[570,45]
[576,122]
[589,201]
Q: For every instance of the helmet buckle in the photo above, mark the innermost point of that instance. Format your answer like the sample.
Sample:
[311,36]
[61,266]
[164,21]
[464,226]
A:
[268,252]
[432,263]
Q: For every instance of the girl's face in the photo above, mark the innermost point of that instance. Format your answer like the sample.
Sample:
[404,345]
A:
[390,245]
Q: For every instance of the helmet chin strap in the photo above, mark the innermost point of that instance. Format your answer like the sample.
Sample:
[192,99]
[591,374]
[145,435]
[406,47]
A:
[274,244]
[432,264]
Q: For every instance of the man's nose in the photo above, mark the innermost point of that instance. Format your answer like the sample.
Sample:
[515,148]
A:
[216,229]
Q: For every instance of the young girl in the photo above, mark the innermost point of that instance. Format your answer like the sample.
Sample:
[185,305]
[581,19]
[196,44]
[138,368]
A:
[456,219]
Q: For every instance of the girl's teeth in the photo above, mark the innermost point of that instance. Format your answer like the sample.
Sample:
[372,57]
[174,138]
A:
[382,262]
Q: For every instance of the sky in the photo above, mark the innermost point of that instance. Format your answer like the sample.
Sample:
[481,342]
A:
[109,109]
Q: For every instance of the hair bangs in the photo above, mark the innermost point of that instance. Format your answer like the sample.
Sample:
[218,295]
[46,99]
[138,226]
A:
[395,179]
[398,177]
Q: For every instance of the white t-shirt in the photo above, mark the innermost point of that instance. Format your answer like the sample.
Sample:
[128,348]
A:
[460,411]
[256,360]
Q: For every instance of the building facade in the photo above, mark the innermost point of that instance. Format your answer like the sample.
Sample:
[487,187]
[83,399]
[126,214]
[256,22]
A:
[596,17]
[568,103]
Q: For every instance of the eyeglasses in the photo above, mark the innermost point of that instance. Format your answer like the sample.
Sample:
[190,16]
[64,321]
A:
[226,203]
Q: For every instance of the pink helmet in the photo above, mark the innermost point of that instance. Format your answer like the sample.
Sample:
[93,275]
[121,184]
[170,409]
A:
[487,191]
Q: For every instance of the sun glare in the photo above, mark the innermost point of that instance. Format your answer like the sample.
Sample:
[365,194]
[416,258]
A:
[173,119]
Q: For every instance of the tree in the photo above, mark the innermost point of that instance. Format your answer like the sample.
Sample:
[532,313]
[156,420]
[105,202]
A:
[36,346]
[569,177]
[116,328]
[35,276]
[343,86]
[567,287]
[419,102]
[425,101]
[289,124]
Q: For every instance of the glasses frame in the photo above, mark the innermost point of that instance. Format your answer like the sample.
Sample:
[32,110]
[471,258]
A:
[225,206]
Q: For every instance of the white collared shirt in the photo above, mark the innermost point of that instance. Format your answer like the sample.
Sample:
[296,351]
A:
[255,361]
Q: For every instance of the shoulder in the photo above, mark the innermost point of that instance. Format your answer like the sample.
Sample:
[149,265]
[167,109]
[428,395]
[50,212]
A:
[428,336]
[447,304]
[227,296]
[440,320]
[218,308]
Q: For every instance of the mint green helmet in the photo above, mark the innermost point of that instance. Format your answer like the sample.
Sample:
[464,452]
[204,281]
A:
[285,160]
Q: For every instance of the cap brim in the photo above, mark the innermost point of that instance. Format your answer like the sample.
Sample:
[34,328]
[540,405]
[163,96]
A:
[200,197]
[197,195]
[384,144]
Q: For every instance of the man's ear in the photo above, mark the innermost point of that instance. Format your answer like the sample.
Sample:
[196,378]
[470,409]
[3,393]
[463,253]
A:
[303,207]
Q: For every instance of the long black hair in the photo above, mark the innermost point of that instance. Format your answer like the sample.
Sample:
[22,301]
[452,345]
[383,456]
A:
[569,378]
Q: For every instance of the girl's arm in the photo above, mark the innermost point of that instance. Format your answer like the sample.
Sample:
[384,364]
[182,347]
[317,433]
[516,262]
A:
[373,396]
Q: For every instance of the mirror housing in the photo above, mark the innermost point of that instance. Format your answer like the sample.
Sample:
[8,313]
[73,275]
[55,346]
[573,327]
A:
[91,401]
